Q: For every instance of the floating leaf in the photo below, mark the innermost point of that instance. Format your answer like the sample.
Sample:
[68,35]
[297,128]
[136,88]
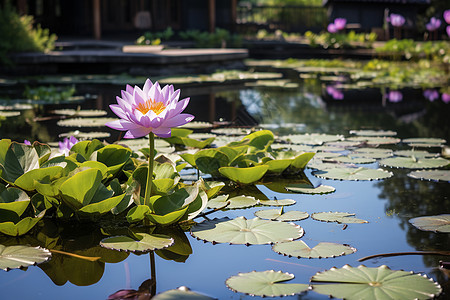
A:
[80,113]
[14,257]
[248,232]
[265,284]
[373,283]
[321,189]
[347,173]
[244,175]
[143,242]
[181,293]
[85,122]
[197,125]
[424,141]
[373,132]
[439,223]
[280,215]
[433,175]
[86,135]
[414,162]
[339,217]
[350,159]
[322,250]
[415,153]
[235,202]
[276,202]
[312,139]
[375,140]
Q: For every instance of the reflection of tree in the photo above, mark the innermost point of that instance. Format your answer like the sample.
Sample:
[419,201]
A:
[409,198]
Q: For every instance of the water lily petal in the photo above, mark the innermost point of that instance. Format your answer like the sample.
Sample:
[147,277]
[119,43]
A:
[137,132]
[179,107]
[178,120]
[118,111]
[163,132]
[147,85]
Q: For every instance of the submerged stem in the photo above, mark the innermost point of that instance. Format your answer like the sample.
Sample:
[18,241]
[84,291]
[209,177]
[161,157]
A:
[148,187]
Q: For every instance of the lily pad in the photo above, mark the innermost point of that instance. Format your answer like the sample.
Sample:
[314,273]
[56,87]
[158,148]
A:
[85,122]
[424,141]
[375,140]
[197,125]
[373,132]
[280,215]
[339,217]
[347,173]
[235,202]
[433,175]
[276,202]
[414,162]
[86,135]
[80,113]
[143,242]
[322,250]
[246,232]
[20,256]
[244,175]
[416,153]
[373,283]
[321,189]
[350,159]
[265,284]
[181,293]
[312,139]
[439,223]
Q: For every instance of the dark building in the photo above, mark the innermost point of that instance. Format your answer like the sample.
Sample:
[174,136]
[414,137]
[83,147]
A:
[369,15]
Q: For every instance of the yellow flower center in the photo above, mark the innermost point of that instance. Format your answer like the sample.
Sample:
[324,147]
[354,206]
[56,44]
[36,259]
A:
[157,107]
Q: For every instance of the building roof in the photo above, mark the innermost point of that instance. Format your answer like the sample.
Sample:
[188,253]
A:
[419,2]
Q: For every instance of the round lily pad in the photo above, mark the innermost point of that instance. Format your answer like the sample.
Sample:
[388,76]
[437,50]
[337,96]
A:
[181,293]
[373,283]
[231,131]
[416,153]
[321,189]
[246,232]
[276,202]
[265,284]
[375,140]
[432,175]
[354,160]
[373,132]
[142,243]
[280,215]
[197,125]
[9,113]
[85,122]
[347,173]
[86,135]
[424,141]
[375,153]
[322,250]
[312,139]
[414,162]
[235,202]
[439,223]
[14,257]
[339,217]
[80,113]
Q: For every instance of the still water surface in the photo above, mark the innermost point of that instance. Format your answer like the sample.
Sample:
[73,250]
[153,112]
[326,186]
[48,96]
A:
[387,204]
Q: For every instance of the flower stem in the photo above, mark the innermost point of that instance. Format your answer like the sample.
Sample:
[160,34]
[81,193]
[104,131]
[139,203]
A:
[148,187]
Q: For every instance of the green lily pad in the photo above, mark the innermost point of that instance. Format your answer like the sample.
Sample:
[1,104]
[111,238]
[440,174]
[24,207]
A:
[373,132]
[13,199]
[12,225]
[197,125]
[86,135]
[312,139]
[20,256]
[143,243]
[265,284]
[322,250]
[80,113]
[347,173]
[235,202]
[424,141]
[321,189]
[339,217]
[374,283]
[439,223]
[181,293]
[375,140]
[244,175]
[277,202]
[414,162]
[433,175]
[416,153]
[280,215]
[231,131]
[85,122]
[350,159]
[247,232]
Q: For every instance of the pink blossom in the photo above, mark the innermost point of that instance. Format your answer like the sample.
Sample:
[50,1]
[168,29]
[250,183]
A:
[397,20]
[395,96]
[335,93]
[66,145]
[150,109]
[434,24]
[340,23]
[431,94]
[448,30]
[332,28]
[445,97]
[447,16]
[27,142]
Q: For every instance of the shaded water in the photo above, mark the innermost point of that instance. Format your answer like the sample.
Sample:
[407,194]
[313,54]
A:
[386,204]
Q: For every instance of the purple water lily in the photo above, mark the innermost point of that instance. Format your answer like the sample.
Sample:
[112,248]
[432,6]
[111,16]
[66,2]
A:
[445,97]
[397,20]
[448,30]
[335,93]
[27,142]
[150,109]
[434,24]
[340,23]
[67,144]
[395,96]
[431,94]
[447,16]
[332,28]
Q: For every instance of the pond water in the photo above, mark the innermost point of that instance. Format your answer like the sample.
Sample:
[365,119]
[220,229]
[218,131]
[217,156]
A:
[309,107]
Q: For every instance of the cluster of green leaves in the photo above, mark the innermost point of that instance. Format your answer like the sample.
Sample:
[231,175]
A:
[155,38]
[340,40]
[248,160]
[413,50]
[49,93]
[217,39]
[19,35]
